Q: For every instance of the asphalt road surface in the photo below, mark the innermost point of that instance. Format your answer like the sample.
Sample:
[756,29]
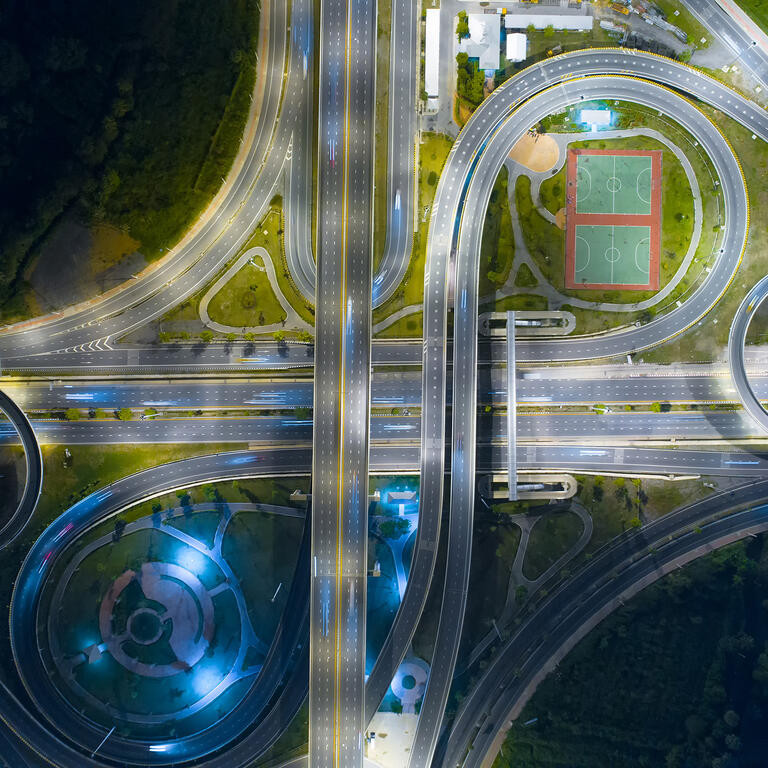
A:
[342,383]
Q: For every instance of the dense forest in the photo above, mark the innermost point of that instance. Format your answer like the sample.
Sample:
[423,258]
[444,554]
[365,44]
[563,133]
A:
[678,678]
[122,112]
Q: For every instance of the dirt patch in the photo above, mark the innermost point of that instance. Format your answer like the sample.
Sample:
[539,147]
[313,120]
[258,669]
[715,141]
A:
[560,218]
[78,262]
[537,152]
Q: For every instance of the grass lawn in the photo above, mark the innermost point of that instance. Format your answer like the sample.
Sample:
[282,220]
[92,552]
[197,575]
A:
[708,341]
[552,536]
[292,742]
[247,299]
[522,301]
[406,327]
[758,10]
[594,321]
[272,241]
[95,466]
[525,278]
[546,243]
[686,21]
[497,248]
[614,502]
[432,155]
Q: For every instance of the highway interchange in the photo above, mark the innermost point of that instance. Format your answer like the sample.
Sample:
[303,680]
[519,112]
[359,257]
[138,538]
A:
[339,446]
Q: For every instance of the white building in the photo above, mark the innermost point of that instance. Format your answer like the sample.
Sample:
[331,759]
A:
[578,23]
[432,53]
[517,46]
[484,41]
[595,117]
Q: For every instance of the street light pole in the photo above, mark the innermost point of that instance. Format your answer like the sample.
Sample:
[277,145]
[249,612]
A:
[101,744]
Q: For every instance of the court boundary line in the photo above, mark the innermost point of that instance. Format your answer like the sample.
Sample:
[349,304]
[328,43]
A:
[652,220]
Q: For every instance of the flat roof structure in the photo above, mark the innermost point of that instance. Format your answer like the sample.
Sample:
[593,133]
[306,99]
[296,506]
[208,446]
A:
[579,23]
[517,46]
[432,53]
[595,116]
[484,41]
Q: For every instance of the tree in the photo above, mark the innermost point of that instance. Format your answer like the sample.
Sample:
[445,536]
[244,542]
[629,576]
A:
[656,407]
[462,59]
[230,337]
[249,336]
[302,412]
[549,30]
[462,26]
[306,337]
[206,337]
[475,87]
[394,527]
[279,336]
[119,528]
[150,411]
[635,522]
[521,593]
[125,414]
[163,337]
[72,414]
[99,413]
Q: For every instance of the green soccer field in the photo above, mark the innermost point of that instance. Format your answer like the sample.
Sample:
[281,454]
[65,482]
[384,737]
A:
[613,184]
[612,254]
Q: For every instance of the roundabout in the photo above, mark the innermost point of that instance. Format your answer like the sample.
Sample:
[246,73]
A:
[156,627]
[736,344]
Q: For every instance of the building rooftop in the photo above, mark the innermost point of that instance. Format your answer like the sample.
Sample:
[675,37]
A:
[484,41]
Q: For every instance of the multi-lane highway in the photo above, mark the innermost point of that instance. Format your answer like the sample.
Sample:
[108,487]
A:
[340,461]
[600,429]
[541,387]
[342,382]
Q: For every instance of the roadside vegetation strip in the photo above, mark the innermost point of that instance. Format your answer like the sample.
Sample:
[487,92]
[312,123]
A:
[246,299]
[381,161]
[433,153]
[497,247]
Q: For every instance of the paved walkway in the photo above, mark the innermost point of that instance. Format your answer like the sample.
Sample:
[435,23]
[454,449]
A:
[411,309]
[177,606]
[292,320]
[517,578]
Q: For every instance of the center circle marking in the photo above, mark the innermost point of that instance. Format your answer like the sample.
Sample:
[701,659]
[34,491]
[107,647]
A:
[613,183]
[612,254]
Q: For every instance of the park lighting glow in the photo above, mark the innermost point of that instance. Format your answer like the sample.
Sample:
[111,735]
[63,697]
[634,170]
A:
[191,559]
